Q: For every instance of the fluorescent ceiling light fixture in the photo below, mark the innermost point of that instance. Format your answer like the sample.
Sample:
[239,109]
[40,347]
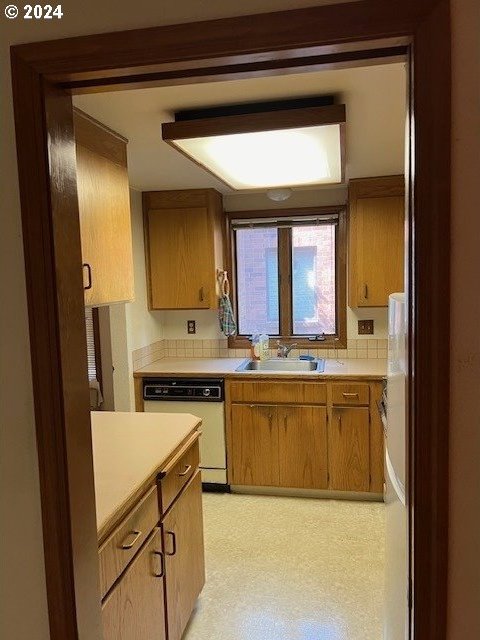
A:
[275,154]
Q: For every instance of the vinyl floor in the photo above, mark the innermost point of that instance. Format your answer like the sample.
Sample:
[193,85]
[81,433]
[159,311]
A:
[282,568]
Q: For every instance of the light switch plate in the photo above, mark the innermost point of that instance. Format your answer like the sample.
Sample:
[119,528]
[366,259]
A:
[365,327]
[191,326]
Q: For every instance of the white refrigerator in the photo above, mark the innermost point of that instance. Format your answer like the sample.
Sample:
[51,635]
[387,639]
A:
[396,559]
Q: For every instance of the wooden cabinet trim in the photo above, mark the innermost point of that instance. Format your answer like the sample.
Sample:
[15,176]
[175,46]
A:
[277,392]
[378,187]
[99,138]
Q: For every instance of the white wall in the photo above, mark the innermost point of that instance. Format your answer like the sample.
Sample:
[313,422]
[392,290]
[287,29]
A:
[22,567]
[132,325]
[144,326]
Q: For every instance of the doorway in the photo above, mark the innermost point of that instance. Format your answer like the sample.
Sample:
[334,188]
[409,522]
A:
[322,36]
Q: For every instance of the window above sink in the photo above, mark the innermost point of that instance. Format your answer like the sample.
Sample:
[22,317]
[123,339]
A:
[289,275]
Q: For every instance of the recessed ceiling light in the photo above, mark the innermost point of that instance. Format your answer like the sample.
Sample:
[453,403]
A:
[259,150]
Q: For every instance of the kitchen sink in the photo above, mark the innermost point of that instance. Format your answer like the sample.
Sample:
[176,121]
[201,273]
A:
[283,364]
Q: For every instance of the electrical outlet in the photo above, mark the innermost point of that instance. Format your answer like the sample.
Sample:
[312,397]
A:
[191,326]
[365,327]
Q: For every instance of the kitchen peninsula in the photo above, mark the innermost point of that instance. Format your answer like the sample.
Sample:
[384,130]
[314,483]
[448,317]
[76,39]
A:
[149,522]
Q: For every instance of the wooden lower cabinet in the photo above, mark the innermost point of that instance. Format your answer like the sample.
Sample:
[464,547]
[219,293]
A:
[337,446]
[135,610]
[349,449]
[279,446]
[184,557]
[302,447]
[254,445]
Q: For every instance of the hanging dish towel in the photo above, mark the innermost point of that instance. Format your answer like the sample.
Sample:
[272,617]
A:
[225,311]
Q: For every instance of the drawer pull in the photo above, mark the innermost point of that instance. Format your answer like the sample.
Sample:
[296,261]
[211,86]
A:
[162,565]
[174,543]
[89,274]
[188,468]
[350,395]
[128,545]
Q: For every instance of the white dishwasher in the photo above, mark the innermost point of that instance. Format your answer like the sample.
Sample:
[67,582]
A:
[202,397]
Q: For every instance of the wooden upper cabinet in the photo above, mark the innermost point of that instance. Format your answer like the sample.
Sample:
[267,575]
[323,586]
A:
[184,248]
[376,240]
[104,206]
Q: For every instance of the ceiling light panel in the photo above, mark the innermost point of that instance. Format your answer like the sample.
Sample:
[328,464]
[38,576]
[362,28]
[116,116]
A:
[265,159]
[300,147]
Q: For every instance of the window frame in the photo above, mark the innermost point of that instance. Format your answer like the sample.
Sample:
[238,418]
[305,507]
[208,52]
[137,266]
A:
[337,340]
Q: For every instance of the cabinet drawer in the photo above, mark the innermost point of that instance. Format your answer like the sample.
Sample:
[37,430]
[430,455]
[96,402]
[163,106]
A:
[178,476]
[117,551]
[350,394]
[277,392]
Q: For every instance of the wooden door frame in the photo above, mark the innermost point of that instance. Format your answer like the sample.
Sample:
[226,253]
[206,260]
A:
[43,74]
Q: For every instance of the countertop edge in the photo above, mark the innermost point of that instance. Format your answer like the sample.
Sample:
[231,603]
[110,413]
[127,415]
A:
[109,526]
[256,375]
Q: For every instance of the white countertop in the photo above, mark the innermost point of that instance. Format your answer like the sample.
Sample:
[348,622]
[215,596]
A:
[129,448]
[226,367]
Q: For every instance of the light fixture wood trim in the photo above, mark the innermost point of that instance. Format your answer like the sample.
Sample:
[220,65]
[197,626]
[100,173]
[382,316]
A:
[263,44]
[254,122]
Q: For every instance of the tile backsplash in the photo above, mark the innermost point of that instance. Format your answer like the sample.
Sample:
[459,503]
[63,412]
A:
[370,348]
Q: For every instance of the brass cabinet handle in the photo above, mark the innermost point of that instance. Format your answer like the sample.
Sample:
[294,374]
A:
[187,470]
[350,395]
[128,545]
[162,565]
[174,543]
[285,421]
[365,291]
[201,294]
[89,273]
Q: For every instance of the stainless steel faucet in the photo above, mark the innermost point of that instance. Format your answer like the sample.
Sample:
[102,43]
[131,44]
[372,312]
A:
[284,349]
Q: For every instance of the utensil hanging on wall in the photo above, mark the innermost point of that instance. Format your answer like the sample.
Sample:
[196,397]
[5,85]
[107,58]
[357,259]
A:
[226,316]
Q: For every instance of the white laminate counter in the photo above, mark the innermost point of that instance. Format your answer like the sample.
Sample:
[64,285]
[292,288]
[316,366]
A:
[225,367]
[128,450]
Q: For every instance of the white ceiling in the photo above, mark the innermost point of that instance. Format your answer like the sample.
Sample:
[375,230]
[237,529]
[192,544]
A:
[375,98]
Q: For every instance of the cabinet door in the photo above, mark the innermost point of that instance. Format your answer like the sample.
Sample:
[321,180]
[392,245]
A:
[254,444]
[104,206]
[380,249]
[184,556]
[348,449]
[135,609]
[303,447]
[181,258]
